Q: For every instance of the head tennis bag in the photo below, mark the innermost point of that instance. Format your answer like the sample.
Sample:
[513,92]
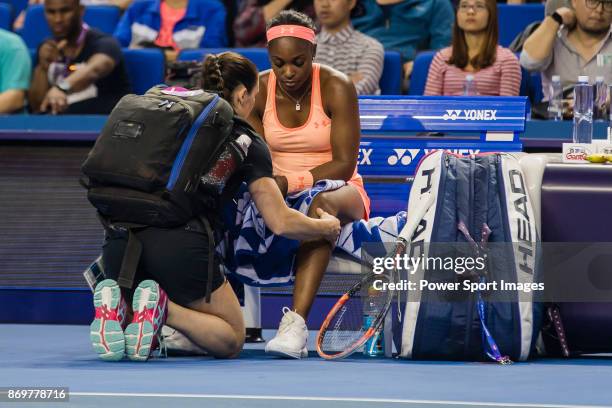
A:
[479,201]
[147,163]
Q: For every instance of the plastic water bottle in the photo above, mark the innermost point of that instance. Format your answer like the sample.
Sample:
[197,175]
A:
[601,96]
[555,105]
[374,346]
[469,87]
[583,111]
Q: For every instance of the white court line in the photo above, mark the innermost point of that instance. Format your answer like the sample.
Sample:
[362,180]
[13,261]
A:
[338,399]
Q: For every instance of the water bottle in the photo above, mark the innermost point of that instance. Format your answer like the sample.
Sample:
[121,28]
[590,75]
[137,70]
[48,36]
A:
[374,346]
[583,111]
[469,87]
[229,160]
[601,96]
[555,104]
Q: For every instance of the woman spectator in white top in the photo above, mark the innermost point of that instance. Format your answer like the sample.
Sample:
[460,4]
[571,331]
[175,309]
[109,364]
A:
[342,47]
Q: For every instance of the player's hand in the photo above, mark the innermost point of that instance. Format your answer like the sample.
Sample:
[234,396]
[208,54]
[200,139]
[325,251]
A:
[330,226]
[56,100]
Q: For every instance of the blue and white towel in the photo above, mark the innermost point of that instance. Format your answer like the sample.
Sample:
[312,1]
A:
[260,258]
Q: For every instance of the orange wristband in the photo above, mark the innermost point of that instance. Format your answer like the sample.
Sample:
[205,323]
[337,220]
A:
[298,181]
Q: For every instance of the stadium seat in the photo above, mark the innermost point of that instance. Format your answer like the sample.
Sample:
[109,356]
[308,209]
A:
[391,79]
[514,18]
[390,82]
[16,6]
[145,68]
[420,71]
[35,28]
[5,16]
[259,56]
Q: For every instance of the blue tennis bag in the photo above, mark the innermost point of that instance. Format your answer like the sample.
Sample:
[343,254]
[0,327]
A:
[480,200]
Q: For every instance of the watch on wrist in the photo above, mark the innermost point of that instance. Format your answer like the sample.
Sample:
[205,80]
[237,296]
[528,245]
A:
[64,86]
[557,17]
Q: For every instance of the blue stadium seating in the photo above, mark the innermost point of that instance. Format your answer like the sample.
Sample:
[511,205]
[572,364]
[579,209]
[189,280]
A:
[514,18]
[35,28]
[5,16]
[390,83]
[419,72]
[16,6]
[259,56]
[391,79]
[145,68]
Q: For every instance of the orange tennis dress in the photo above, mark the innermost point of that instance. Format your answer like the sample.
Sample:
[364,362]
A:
[308,146]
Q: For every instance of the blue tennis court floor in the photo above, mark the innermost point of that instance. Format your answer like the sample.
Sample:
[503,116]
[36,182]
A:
[53,355]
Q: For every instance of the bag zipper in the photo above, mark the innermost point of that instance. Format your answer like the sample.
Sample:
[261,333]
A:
[176,100]
[470,304]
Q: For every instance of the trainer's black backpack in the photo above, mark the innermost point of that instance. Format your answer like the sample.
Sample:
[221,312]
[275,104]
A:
[146,166]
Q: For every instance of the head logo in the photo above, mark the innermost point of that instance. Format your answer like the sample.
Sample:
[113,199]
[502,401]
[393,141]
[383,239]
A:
[404,156]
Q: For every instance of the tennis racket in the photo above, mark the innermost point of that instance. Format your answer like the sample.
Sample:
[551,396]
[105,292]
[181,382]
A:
[344,329]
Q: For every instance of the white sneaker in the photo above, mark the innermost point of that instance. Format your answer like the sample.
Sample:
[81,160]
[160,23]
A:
[291,338]
[177,344]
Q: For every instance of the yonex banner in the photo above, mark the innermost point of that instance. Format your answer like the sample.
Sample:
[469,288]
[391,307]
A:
[443,113]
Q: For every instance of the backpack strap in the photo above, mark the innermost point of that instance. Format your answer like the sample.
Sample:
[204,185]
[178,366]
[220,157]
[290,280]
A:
[211,256]
[131,258]
[133,251]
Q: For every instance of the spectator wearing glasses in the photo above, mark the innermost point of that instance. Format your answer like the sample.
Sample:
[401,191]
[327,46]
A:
[475,51]
[568,41]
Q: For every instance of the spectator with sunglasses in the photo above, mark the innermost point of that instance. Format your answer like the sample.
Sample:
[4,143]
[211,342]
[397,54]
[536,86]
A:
[568,42]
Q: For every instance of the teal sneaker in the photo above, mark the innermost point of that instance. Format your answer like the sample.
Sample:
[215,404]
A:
[150,306]
[106,331]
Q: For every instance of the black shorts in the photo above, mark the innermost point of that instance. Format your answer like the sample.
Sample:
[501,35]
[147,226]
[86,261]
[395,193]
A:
[176,258]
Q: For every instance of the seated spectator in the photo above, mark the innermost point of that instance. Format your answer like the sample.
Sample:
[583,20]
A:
[341,47]
[475,51]
[122,4]
[254,15]
[80,70]
[173,25]
[15,69]
[568,41]
[407,26]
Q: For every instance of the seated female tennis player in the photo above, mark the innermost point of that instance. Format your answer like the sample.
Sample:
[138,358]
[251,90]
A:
[172,271]
[308,114]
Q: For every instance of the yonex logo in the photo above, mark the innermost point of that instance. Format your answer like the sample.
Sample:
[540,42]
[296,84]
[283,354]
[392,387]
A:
[403,156]
[470,114]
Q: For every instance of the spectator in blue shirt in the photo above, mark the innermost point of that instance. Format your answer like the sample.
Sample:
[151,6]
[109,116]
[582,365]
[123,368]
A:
[407,26]
[173,24]
[15,69]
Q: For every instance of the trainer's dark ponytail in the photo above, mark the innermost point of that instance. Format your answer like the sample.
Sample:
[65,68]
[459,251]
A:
[222,73]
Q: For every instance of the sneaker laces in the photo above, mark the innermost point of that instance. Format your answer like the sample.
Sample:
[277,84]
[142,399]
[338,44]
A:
[287,321]
[162,350]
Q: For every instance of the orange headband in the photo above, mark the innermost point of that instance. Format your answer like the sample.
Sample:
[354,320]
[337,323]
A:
[296,31]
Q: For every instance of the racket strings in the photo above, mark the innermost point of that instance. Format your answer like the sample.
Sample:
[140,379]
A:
[354,318]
